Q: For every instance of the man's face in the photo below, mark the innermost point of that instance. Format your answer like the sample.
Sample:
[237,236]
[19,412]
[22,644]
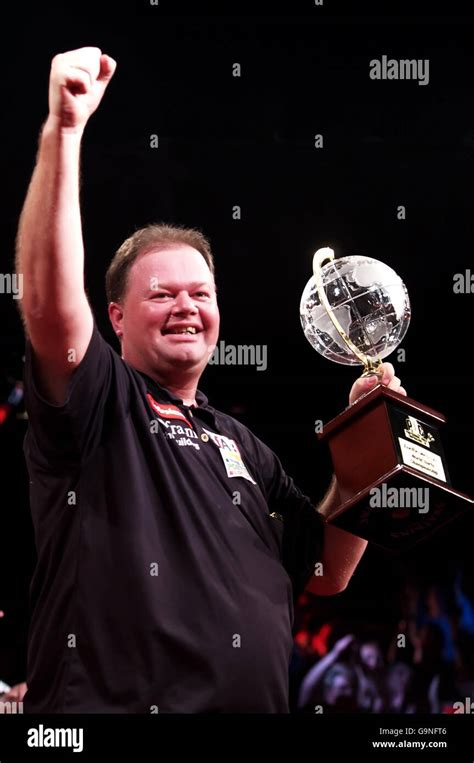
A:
[169,319]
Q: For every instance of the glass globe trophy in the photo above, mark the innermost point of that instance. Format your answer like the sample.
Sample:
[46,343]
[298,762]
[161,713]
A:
[391,471]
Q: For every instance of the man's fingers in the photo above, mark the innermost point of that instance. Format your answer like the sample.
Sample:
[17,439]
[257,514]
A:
[84,58]
[89,60]
[388,373]
[107,68]
[366,383]
[361,386]
[75,70]
[395,385]
[88,51]
[390,380]
[82,80]
[78,80]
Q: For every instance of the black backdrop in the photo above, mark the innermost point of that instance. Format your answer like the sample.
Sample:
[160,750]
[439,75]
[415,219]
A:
[249,141]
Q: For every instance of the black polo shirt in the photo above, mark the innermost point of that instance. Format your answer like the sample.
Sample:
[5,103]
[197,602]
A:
[170,545]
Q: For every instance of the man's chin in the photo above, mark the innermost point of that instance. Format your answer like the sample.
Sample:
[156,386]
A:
[185,359]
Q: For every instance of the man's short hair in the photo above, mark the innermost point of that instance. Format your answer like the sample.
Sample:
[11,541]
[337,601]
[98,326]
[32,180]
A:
[151,236]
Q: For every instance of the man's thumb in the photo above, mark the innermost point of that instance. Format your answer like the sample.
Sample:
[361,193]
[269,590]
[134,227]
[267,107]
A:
[370,381]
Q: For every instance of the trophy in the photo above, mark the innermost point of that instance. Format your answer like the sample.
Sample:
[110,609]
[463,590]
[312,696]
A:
[392,476]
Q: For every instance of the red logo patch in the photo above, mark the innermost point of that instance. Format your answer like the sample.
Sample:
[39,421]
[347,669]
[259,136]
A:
[167,410]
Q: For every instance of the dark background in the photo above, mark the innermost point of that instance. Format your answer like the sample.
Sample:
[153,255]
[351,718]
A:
[249,141]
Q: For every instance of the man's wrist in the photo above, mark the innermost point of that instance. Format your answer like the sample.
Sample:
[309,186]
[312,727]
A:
[331,500]
[53,127]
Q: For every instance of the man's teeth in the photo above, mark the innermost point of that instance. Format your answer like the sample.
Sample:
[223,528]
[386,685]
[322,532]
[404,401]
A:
[188,330]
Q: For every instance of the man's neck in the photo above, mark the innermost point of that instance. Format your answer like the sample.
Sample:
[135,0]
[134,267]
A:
[183,385]
[186,392]
[185,389]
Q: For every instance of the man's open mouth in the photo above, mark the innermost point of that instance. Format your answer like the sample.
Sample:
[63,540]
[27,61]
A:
[186,330]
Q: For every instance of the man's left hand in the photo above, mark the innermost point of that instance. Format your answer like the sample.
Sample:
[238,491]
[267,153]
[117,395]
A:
[366,383]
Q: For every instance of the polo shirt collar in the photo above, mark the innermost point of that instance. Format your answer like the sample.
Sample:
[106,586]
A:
[165,394]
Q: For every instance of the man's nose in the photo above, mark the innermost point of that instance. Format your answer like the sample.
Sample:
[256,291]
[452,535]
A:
[183,304]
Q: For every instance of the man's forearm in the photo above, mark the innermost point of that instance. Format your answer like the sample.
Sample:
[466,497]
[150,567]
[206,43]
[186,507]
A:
[330,501]
[50,250]
[342,551]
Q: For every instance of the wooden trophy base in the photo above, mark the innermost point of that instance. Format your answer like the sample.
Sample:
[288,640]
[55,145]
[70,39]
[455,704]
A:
[391,471]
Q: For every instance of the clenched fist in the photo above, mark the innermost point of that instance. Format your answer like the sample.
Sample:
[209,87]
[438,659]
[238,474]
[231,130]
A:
[77,83]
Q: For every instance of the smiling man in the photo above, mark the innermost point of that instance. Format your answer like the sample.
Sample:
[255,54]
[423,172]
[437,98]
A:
[170,541]
[166,315]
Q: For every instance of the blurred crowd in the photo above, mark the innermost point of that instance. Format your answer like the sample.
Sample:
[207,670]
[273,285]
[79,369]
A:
[424,665]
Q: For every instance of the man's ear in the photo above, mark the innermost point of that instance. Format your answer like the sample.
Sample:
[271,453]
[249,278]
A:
[115,316]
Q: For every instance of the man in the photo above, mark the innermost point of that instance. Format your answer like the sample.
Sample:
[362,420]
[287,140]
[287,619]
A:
[170,541]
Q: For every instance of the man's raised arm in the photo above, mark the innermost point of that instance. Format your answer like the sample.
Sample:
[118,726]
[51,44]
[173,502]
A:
[50,250]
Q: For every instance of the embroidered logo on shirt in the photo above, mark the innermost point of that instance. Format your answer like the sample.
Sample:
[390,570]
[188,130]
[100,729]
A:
[167,410]
[166,413]
[231,457]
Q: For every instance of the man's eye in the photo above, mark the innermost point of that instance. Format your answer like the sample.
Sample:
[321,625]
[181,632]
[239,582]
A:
[161,295]
[202,294]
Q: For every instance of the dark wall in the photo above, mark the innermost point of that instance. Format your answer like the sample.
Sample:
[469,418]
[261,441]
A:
[249,141]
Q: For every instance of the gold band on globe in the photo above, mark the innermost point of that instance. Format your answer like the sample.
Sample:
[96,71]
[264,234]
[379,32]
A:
[371,366]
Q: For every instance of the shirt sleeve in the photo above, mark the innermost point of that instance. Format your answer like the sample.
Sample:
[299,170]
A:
[61,435]
[303,527]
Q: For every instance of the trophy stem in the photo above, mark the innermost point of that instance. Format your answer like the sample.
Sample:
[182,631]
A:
[373,368]
[322,257]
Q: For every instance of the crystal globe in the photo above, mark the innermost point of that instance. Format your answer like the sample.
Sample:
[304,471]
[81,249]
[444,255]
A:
[368,300]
